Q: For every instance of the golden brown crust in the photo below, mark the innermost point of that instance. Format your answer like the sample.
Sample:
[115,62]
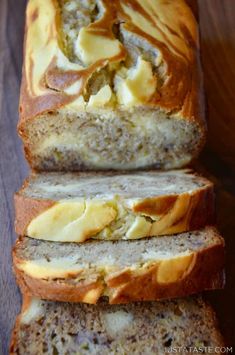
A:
[179,47]
[200,209]
[26,301]
[127,285]
[60,291]
[206,274]
[26,209]
[14,336]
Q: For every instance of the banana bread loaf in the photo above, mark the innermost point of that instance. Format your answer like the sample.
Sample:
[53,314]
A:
[111,85]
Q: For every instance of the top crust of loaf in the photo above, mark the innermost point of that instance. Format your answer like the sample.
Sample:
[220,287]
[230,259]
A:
[154,43]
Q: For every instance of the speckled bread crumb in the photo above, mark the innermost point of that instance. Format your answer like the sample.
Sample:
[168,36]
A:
[152,328]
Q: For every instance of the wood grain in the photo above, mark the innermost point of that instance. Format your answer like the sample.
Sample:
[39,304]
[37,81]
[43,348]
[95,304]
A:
[12,165]
[217,18]
[217,24]
[217,27]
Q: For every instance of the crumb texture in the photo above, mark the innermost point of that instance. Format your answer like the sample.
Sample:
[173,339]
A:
[63,328]
[119,253]
[139,185]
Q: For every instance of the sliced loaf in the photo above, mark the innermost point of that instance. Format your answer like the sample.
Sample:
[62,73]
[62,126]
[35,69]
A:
[124,271]
[75,207]
[154,328]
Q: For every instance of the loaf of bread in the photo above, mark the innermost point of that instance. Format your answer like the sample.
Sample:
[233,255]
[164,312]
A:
[111,85]
[153,328]
[78,206]
[124,271]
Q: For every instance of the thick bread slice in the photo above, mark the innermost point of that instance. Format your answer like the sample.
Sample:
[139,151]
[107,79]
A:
[75,207]
[124,271]
[111,85]
[153,328]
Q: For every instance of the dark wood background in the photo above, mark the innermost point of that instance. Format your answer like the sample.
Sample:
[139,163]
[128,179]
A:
[217,25]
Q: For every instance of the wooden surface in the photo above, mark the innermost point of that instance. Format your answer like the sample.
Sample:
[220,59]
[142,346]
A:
[217,23]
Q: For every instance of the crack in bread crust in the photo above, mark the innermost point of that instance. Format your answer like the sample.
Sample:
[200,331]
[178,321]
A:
[68,83]
[171,42]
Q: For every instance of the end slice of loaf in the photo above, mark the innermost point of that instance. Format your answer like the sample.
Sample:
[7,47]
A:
[111,85]
[124,271]
[153,328]
[78,206]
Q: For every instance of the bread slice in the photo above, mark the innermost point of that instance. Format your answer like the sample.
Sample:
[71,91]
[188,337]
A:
[111,85]
[153,328]
[78,206]
[124,271]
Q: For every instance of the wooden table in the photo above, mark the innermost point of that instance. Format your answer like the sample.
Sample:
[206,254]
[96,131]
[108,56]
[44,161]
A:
[217,24]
